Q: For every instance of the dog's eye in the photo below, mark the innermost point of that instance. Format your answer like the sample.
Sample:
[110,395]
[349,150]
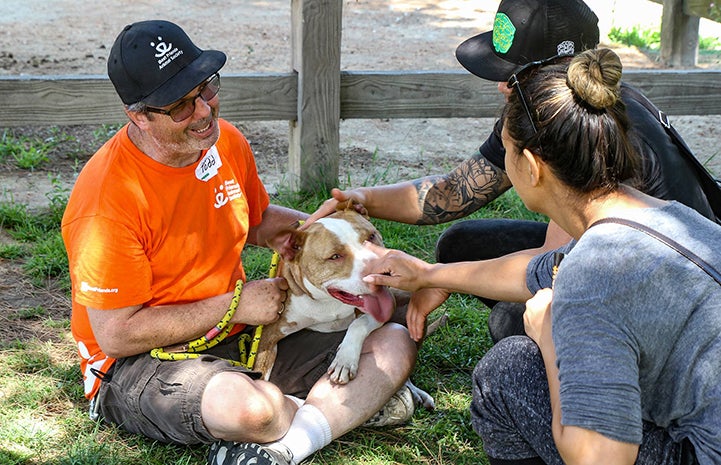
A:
[372,237]
[335,256]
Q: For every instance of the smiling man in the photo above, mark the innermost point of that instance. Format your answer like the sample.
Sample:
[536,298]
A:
[154,230]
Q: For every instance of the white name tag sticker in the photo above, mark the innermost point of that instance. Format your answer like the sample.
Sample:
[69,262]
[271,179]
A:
[209,165]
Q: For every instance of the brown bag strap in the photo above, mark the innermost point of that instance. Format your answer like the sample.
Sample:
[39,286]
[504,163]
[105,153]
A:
[698,261]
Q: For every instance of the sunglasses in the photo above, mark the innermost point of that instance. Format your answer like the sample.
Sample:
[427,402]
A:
[186,107]
[514,81]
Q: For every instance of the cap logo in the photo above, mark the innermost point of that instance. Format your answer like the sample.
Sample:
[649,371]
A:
[503,33]
[566,48]
[165,52]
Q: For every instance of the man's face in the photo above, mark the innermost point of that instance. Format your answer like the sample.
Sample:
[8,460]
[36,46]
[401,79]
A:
[504,89]
[197,132]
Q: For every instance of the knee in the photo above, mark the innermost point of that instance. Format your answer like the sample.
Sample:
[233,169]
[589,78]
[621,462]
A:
[447,244]
[393,349]
[504,362]
[501,377]
[473,240]
[235,407]
[488,238]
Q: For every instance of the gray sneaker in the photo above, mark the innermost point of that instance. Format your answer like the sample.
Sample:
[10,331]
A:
[397,411]
[246,453]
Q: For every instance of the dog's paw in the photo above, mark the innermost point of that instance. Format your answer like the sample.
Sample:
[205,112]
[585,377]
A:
[343,368]
[342,374]
[421,397]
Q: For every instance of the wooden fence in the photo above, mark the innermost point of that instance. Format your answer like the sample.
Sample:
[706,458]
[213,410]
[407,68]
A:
[679,29]
[316,95]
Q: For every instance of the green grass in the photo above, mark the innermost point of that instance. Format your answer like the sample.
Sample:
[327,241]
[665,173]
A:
[38,236]
[650,39]
[43,418]
[636,36]
[28,153]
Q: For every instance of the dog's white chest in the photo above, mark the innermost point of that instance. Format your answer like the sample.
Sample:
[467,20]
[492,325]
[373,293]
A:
[322,315]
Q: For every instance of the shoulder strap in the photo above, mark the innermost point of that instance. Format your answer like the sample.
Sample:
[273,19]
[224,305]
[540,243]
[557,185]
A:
[709,184]
[698,261]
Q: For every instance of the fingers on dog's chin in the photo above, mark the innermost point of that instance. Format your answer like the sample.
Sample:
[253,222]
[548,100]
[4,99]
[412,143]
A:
[375,280]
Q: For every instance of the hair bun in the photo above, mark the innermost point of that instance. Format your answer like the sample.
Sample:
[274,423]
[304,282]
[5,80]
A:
[595,77]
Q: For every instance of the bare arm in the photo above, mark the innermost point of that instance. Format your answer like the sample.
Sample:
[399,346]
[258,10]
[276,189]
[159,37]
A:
[502,278]
[429,200]
[128,331]
[275,219]
[472,185]
[132,330]
[575,444]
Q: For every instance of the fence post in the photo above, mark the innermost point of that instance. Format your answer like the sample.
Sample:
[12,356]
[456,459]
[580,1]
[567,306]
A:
[679,35]
[314,142]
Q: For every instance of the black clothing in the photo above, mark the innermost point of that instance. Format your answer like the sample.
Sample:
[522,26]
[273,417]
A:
[667,173]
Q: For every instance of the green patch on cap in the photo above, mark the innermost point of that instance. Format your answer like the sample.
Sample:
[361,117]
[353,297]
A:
[503,33]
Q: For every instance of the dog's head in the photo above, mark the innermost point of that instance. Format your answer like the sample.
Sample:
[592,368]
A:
[326,260]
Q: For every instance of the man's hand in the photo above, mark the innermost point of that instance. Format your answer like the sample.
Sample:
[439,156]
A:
[337,196]
[262,301]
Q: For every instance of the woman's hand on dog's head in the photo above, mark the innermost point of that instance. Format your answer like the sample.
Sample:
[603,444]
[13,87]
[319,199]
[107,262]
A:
[394,268]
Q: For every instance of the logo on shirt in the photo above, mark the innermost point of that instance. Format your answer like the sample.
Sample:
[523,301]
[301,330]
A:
[85,287]
[226,192]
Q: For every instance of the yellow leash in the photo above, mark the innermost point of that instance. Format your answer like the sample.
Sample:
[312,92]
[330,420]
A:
[219,332]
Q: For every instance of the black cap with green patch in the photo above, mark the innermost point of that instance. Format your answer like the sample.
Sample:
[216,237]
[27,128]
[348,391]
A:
[526,31]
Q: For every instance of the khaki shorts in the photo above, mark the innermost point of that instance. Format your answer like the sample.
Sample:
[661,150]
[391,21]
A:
[161,399]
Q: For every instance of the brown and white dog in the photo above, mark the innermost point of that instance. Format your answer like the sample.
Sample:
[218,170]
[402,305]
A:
[323,265]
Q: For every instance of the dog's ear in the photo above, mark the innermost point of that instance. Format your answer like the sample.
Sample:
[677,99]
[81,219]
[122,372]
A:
[288,243]
[352,205]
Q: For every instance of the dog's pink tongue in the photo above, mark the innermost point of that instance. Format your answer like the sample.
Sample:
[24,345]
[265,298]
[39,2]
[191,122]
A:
[379,305]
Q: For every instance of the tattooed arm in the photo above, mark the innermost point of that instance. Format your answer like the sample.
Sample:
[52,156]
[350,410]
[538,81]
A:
[428,200]
[472,185]
[434,199]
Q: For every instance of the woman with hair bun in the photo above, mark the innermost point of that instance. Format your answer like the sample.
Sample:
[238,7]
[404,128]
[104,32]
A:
[623,356]
[622,359]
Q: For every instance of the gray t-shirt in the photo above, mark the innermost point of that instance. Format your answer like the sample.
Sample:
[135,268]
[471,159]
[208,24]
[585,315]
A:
[637,330]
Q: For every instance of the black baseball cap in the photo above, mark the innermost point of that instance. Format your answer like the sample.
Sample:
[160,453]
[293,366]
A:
[156,63]
[526,31]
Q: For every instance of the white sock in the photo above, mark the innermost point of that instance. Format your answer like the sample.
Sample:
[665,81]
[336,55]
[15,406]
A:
[309,432]
[298,401]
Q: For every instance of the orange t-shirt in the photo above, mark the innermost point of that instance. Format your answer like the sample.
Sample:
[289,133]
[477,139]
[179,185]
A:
[139,232]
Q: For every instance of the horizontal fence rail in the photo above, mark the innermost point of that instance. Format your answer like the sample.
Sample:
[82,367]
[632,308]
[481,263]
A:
[317,94]
[68,100]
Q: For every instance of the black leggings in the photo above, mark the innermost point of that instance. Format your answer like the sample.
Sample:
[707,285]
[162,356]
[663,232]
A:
[474,240]
[513,417]
[485,239]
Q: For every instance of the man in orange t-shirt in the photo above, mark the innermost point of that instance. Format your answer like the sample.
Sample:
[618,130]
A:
[154,230]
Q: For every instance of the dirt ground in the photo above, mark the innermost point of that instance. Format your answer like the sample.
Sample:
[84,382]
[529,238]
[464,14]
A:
[64,37]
